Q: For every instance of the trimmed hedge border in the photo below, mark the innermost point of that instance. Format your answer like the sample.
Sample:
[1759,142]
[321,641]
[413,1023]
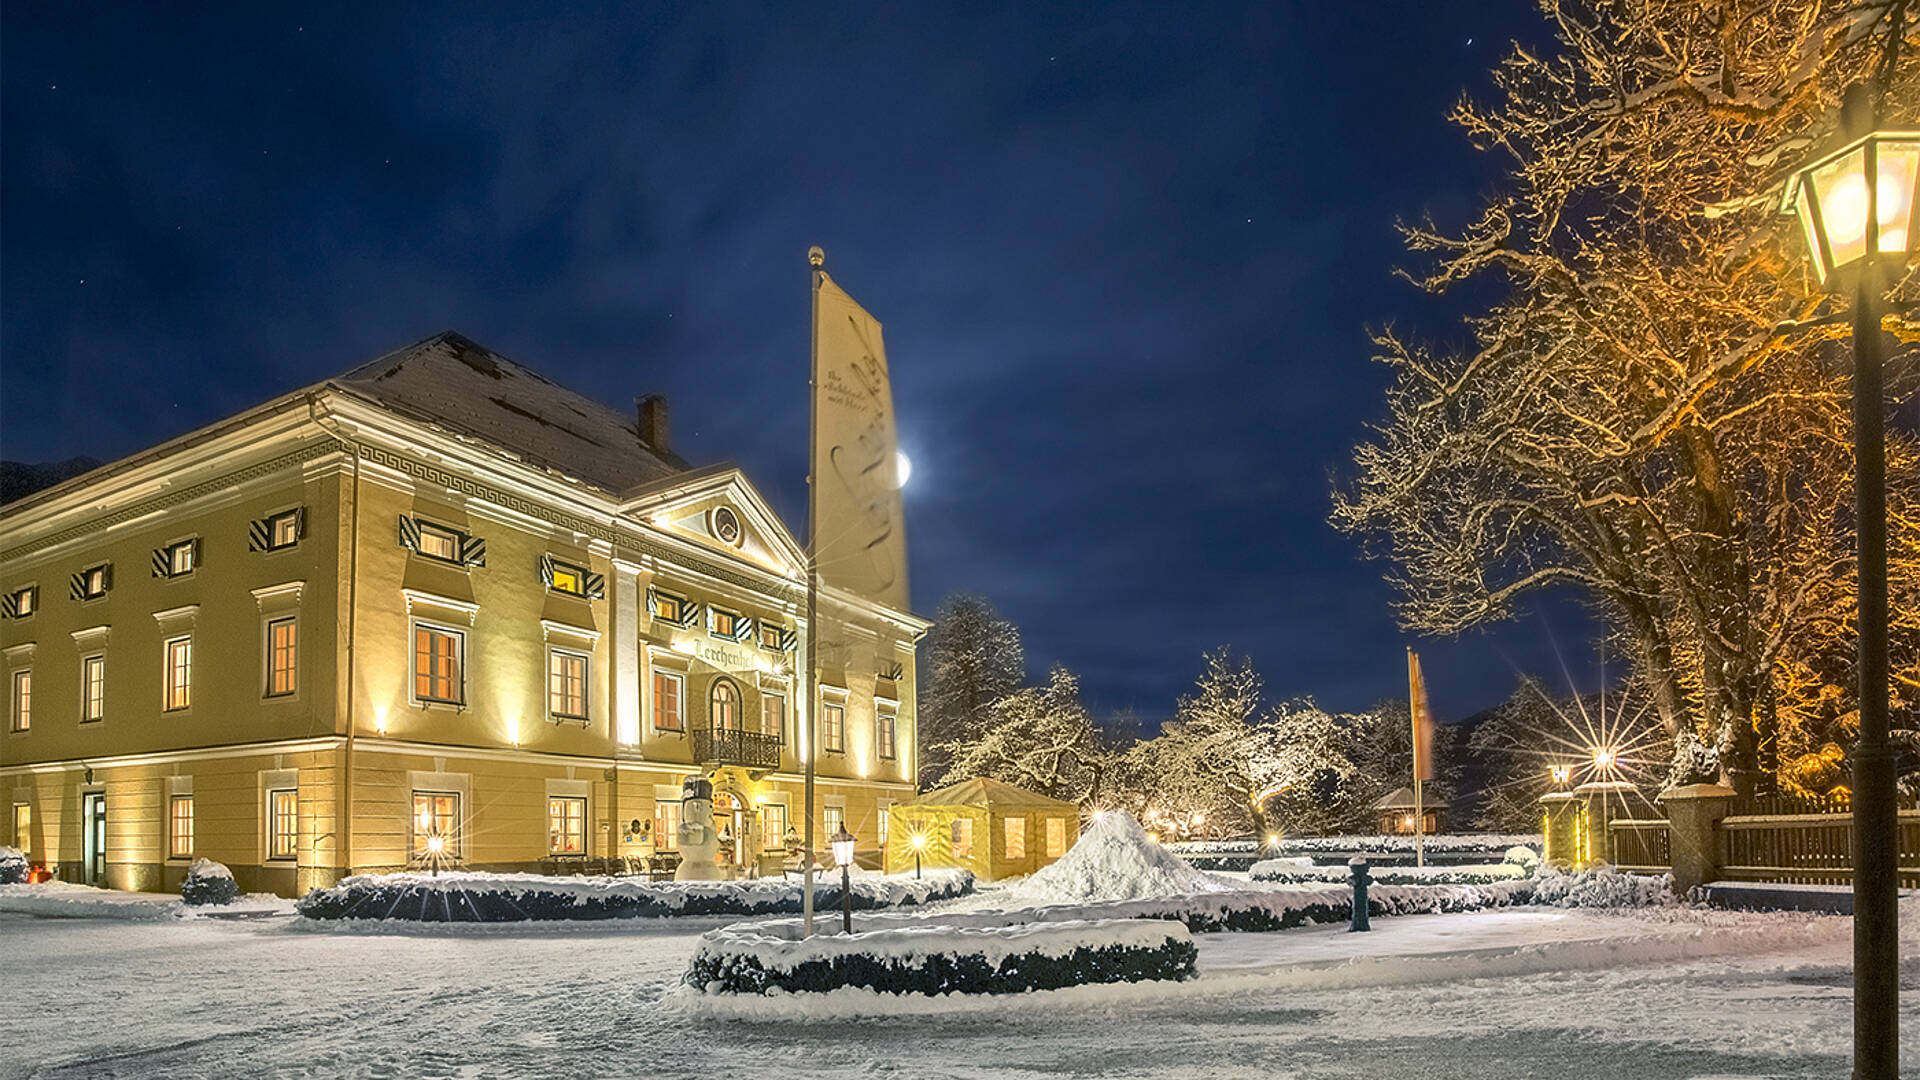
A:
[1493,874]
[930,960]
[1283,907]
[406,897]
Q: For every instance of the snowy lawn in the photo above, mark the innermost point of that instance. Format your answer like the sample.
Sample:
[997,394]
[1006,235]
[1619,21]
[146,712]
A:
[1671,992]
[60,899]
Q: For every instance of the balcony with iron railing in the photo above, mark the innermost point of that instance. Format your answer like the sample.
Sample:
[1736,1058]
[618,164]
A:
[736,746]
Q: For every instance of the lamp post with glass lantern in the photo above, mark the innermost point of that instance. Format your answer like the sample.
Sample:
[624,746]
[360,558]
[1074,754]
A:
[1856,208]
[842,842]
[919,845]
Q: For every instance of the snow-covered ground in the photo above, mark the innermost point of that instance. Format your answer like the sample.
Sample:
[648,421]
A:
[1669,992]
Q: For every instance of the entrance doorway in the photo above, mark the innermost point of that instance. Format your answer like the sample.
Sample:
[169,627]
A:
[93,825]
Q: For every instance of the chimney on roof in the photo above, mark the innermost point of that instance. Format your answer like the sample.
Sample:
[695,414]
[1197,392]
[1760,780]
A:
[653,421]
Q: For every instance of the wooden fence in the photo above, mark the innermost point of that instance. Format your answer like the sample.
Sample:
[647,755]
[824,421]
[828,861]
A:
[1771,838]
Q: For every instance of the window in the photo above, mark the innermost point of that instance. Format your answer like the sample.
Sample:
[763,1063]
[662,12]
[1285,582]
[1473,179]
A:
[725,705]
[883,731]
[178,675]
[833,727]
[963,838]
[436,825]
[180,827]
[771,636]
[93,582]
[176,560]
[566,685]
[439,543]
[436,665]
[1056,837]
[567,825]
[23,602]
[283,530]
[773,714]
[885,822]
[23,826]
[668,714]
[773,827]
[22,700]
[93,688]
[835,819]
[283,824]
[568,579]
[666,826]
[1014,830]
[726,624]
[282,656]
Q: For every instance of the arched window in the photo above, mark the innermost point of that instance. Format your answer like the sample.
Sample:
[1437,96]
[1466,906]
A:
[725,703]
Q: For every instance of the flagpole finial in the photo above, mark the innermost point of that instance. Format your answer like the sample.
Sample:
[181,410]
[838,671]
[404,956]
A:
[817,257]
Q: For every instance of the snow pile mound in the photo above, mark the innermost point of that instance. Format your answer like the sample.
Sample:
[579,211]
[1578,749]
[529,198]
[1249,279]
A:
[1601,887]
[13,866]
[1114,860]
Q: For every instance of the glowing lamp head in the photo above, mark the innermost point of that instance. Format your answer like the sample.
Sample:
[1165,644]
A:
[1199,818]
[842,842]
[919,841]
[1561,773]
[436,845]
[1273,839]
[1603,758]
[1866,188]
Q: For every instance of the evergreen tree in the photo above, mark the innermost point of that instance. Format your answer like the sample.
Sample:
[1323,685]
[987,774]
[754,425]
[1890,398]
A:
[974,658]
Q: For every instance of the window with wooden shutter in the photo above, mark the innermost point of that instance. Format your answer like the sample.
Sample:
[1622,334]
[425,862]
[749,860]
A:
[20,603]
[276,532]
[436,665]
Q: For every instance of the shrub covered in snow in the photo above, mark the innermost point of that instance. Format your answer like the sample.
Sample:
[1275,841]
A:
[1282,907]
[1485,843]
[1291,870]
[1522,855]
[942,957]
[1600,887]
[13,866]
[208,882]
[480,897]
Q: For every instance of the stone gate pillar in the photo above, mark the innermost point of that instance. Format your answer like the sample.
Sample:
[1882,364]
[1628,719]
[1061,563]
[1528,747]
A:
[1559,816]
[1693,832]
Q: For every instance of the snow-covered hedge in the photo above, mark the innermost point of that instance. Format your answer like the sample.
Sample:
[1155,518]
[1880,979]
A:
[984,956]
[480,897]
[1291,870]
[208,882]
[1601,887]
[1488,843]
[1282,907]
[13,866]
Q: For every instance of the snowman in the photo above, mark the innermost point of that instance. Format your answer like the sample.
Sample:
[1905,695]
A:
[699,842]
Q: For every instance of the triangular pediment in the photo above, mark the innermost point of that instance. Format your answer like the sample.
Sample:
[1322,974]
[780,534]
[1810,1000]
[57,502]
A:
[719,509]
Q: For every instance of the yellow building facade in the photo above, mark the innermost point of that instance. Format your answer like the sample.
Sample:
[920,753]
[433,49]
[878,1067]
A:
[437,608]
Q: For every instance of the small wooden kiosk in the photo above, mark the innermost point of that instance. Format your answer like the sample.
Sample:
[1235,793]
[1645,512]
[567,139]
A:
[992,828]
[1396,810]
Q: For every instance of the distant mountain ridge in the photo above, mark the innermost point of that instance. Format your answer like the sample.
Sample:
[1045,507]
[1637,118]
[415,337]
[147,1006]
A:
[19,479]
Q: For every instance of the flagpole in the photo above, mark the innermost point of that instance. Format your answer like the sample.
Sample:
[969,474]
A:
[818,260]
[1419,802]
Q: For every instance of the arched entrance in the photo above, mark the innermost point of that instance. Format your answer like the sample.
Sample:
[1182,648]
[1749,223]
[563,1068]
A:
[738,823]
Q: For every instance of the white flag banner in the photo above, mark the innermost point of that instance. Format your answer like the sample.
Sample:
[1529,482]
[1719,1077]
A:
[859,536]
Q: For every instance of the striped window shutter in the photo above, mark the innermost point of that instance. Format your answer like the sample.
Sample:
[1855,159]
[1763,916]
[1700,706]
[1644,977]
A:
[695,613]
[473,550]
[409,533]
[653,603]
[300,522]
[197,556]
[789,640]
[743,629]
[596,586]
[546,570]
[162,564]
[895,669]
[257,534]
[9,607]
[78,587]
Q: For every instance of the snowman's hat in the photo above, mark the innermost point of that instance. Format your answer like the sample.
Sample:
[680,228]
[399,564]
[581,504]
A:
[696,787]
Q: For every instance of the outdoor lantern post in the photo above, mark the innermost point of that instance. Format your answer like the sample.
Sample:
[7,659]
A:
[1856,208]
[435,845]
[919,845]
[842,842]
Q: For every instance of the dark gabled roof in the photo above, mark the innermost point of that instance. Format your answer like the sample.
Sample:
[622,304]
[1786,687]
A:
[463,387]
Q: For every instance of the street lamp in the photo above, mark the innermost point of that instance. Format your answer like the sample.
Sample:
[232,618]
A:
[435,845]
[919,845]
[842,842]
[1562,773]
[1603,758]
[1856,207]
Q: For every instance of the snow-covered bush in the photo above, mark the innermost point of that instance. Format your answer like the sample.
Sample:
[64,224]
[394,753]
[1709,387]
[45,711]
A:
[1290,870]
[208,882]
[1523,856]
[1600,887]
[940,957]
[1489,844]
[13,866]
[480,897]
[1282,907]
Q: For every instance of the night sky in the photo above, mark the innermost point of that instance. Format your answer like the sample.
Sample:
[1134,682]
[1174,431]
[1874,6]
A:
[1126,260]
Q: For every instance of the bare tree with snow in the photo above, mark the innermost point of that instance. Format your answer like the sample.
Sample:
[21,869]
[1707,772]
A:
[974,658]
[1040,738]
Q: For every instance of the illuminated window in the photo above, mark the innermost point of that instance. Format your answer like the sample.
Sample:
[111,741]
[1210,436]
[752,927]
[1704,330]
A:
[180,827]
[773,827]
[283,824]
[566,825]
[666,826]
[94,581]
[283,530]
[726,624]
[436,665]
[439,543]
[93,688]
[23,602]
[668,711]
[773,714]
[179,673]
[833,727]
[724,705]
[883,731]
[835,819]
[567,579]
[771,635]
[23,826]
[282,656]
[1014,833]
[1056,837]
[180,558]
[22,700]
[962,835]
[669,608]
[566,685]
[436,817]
